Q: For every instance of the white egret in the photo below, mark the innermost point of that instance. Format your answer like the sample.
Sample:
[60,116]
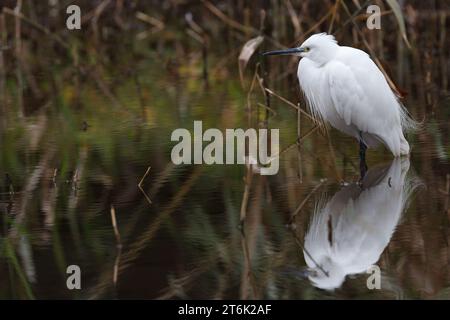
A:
[344,87]
[348,234]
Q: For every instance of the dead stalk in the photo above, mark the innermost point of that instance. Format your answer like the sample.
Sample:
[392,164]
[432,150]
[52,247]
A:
[118,244]
[302,204]
[248,274]
[289,103]
[140,185]
[114,224]
[333,17]
[248,182]
[19,16]
[333,156]
[18,50]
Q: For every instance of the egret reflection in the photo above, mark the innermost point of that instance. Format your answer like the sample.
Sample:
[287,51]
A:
[349,232]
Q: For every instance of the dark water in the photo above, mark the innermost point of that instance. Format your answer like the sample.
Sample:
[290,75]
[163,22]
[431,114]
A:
[187,243]
[65,166]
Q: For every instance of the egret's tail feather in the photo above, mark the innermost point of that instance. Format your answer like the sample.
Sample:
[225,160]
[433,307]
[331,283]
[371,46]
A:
[408,123]
[404,146]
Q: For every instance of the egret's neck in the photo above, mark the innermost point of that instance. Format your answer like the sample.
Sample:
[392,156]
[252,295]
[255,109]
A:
[326,53]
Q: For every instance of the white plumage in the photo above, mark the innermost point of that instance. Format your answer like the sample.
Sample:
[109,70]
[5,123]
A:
[348,234]
[344,87]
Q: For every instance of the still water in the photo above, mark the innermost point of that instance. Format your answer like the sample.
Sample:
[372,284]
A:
[70,174]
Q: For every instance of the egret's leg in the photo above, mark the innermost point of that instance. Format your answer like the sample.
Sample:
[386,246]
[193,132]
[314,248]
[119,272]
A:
[362,158]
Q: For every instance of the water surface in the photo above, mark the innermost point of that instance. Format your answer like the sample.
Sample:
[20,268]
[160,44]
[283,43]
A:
[68,162]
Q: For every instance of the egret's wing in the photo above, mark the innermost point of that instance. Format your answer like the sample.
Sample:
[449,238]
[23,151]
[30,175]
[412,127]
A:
[347,95]
[363,98]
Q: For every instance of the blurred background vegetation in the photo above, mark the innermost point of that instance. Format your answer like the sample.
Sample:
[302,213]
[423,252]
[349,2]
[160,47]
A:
[84,114]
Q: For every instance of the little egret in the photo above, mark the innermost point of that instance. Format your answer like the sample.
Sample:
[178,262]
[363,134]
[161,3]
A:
[344,87]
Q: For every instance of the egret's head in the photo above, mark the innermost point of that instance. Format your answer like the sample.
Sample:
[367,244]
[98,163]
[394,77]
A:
[320,48]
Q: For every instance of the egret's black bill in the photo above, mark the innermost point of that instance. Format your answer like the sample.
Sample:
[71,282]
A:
[280,52]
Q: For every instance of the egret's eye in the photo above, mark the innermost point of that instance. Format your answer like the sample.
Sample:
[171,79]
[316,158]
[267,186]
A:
[306,49]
